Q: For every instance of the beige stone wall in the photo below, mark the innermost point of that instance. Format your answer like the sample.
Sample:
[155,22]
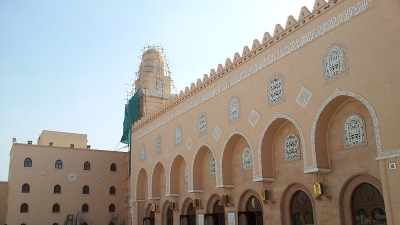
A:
[369,90]
[41,196]
[152,104]
[62,139]
[3,201]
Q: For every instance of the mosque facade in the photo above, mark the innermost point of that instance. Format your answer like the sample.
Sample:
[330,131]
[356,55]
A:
[301,128]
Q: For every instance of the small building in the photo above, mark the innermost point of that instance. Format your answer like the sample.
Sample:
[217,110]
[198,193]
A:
[62,180]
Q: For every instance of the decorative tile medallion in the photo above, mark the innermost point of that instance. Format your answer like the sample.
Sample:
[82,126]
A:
[72,177]
[150,159]
[217,132]
[100,178]
[253,118]
[304,97]
[189,144]
[42,175]
[167,152]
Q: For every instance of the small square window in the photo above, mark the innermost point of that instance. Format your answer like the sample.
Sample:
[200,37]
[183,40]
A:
[392,166]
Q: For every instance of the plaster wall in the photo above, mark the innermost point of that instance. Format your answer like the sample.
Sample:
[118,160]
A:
[62,139]
[41,196]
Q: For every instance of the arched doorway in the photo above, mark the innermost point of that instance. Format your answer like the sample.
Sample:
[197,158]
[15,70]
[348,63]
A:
[170,216]
[368,206]
[190,217]
[150,220]
[217,217]
[301,209]
[253,214]
[167,213]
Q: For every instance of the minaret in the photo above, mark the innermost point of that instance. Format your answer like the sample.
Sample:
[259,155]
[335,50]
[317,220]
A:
[153,82]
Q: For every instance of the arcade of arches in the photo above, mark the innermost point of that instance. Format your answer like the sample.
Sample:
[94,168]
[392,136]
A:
[187,192]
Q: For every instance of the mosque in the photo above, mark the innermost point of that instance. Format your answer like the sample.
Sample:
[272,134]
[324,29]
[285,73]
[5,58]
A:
[302,127]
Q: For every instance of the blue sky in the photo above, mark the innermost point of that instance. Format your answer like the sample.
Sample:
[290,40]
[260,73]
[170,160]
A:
[65,65]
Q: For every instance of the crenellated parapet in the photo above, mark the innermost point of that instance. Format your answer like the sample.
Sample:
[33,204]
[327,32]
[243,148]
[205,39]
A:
[268,41]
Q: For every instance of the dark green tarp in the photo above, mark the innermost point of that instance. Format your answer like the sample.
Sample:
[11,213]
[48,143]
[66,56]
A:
[132,115]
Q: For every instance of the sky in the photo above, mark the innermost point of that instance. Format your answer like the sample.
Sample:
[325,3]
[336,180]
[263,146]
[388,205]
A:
[67,65]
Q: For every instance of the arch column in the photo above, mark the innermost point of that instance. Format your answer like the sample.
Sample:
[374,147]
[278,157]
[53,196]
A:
[386,192]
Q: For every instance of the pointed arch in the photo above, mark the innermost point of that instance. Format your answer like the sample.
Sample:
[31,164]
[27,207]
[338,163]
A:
[111,208]
[321,121]
[347,190]
[56,208]
[245,197]
[86,165]
[24,208]
[141,190]
[112,190]
[174,169]
[265,146]
[148,212]
[26,188]
[185,205]
[226,175]
[164,212]
[197,165]
[211,202]
[28,162]
[156,186]
[57,189]
[287,197]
